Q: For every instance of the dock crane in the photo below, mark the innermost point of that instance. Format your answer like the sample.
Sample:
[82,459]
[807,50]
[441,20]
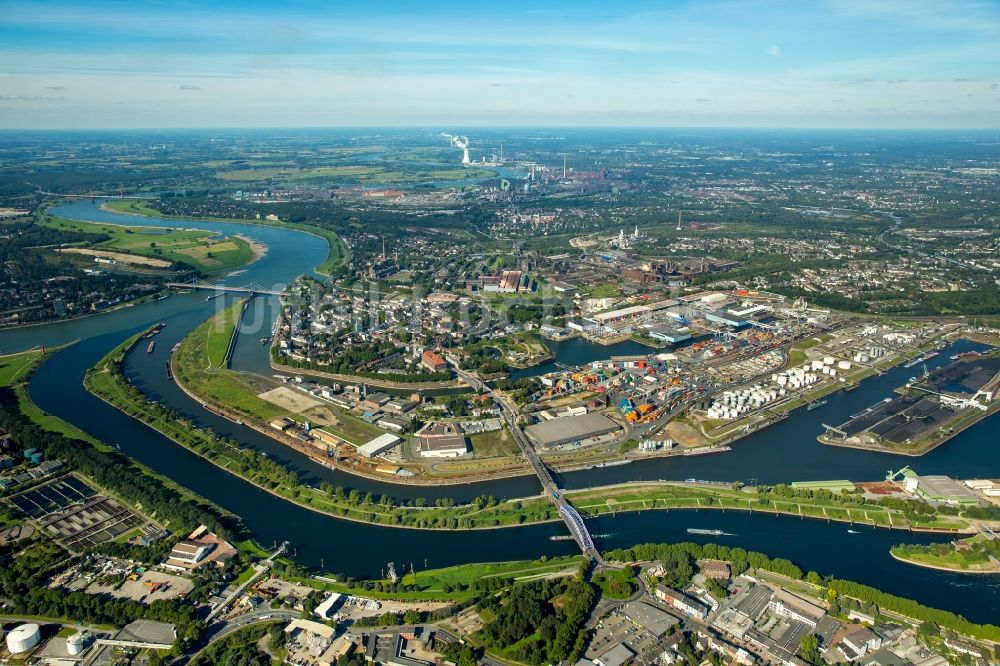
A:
[891,476]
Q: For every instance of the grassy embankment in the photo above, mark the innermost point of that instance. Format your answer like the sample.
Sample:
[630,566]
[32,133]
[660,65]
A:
[676,495]
[337,251]
[15,369]
[199,365]
[202,250]
[450,583]
[970,555]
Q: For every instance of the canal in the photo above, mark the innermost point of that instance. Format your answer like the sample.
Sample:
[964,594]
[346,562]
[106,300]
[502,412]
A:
[785,452]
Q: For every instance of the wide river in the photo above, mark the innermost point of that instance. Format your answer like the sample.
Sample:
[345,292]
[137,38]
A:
[787,451]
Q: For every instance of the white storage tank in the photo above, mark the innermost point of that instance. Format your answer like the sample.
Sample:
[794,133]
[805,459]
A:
[23,638]
[844,365]
[828,360]
[77,643]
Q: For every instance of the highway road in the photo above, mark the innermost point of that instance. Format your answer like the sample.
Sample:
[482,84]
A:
[220,630]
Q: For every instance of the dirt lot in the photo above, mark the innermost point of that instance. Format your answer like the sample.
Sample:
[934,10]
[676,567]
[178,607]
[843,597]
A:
[388,606]
[321,415]
[684,434]
[467,622]
[9,535]
[290,399]
[137,590]
[282,588]
[120,256]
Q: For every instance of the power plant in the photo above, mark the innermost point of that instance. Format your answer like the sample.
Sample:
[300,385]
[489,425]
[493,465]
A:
[459,142]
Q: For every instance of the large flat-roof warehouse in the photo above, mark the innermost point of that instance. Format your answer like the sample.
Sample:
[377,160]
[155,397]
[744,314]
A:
[570,429]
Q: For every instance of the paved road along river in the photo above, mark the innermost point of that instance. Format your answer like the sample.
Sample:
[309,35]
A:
[785,452]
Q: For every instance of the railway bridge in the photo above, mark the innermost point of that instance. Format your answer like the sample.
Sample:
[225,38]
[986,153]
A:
[574,521]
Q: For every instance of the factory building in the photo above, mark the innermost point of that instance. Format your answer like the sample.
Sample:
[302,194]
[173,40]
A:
[613,316]
[506,282]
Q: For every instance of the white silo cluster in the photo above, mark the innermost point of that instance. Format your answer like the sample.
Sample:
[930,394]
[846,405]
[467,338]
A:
[807,374]
[871,353]
[732,405]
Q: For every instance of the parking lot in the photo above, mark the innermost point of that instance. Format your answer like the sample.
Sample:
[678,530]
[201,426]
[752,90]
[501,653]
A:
[616,628]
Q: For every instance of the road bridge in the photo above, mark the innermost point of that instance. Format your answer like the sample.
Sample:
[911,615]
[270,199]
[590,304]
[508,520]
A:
[252,288]
[574,521]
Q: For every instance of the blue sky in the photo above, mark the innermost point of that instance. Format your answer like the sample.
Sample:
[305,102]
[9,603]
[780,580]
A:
[834,63]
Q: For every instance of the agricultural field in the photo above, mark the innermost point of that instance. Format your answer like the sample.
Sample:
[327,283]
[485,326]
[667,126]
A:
[348,173]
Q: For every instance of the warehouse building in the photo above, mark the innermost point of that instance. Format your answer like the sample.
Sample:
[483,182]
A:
[649,618]
[632,312]
[786,604]
[379,445]
[441,440]
[570,429]
[727,319]
[671,334]
[190,552]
